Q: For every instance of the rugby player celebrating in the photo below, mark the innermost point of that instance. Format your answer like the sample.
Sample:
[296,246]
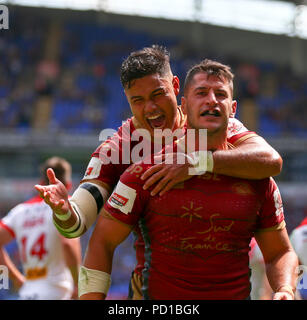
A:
[196,235]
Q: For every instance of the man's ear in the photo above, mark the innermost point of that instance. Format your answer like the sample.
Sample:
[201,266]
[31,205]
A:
[184,105]
[233,109]
[176,85]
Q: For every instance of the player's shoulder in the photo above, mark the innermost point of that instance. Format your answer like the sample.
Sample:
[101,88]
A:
[237,132]
[264,188]
[134,172]
[265,183]
[129,194]
[299,234]
[110,136]
[235,126]
[27,204]
[302,225]
[21,209]
[34,200]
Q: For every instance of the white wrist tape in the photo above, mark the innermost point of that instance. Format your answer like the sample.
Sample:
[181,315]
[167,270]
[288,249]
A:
[63,217]
[71,234]
[202,162]
[86,203]
[76,224]
[91,280]
[88,199]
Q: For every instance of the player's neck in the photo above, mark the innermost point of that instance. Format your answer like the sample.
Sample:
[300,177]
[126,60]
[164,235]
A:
[180,119]
[211,141]
[217,141]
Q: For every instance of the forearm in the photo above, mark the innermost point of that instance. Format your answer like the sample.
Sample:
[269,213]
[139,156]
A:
[84,207]
[95,274]
[99,255]
[15,275]
[248,163]
[282,271]
[72,255]
[98,261]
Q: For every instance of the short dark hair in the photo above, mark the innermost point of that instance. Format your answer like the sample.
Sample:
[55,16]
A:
[211,68]
[61,168]
[145,62]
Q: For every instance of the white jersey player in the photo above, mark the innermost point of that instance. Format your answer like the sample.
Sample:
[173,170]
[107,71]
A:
[298,239]
[261,289]
[48,259]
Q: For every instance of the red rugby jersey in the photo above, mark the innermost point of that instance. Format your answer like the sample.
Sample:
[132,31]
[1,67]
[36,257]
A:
[122,144]
[111,172]
[197,235]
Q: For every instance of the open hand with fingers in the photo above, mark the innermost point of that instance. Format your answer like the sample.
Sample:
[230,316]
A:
[55,194]
[171,169]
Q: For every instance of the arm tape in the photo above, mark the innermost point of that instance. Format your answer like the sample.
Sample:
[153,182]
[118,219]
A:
[74,231]
[202,162]
[95,192]
[63,217]
[70,235]
[91,280]
[86,202]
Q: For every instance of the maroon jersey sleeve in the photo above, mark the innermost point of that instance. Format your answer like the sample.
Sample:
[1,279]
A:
[271,215]
[128,200]
[237,132]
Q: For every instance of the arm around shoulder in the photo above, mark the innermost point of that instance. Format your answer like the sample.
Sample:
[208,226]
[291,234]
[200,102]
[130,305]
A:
[252,158]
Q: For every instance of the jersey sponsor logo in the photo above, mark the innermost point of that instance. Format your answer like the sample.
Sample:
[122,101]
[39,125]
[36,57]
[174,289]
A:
[122,198]
[118,199]
[93,169]
[135,170]
[33,222]
[36,273]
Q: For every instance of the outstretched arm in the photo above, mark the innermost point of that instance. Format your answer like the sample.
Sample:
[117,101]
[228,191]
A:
[75,216]
[253,158]
[107,235]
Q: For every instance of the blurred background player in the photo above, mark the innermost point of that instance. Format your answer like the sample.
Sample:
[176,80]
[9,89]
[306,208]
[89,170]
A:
[298,239]
[50,261]
[260,287]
